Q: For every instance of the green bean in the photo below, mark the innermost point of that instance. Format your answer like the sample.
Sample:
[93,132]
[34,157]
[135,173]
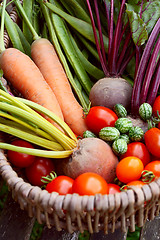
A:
[88,46]
[79,25]
[27,21]
[28,8]
[72,56]
[74,8]
[36,18]
[25,43]
[12,32]
[89,67]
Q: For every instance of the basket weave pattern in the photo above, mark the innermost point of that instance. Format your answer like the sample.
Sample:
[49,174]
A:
[73,212]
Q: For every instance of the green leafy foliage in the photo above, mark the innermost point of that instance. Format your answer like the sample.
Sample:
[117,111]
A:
[142,17]
[134,235]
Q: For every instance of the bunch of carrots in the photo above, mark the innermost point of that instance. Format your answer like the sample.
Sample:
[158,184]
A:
[37,67]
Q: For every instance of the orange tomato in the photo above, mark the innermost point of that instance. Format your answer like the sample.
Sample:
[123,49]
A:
[129,169]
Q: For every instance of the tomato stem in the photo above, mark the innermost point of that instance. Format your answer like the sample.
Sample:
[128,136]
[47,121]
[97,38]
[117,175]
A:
[47,179]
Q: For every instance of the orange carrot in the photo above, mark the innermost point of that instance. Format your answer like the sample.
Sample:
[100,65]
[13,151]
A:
[45,57]
[25,76]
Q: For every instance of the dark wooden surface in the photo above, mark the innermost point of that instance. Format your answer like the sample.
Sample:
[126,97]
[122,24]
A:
[14,222]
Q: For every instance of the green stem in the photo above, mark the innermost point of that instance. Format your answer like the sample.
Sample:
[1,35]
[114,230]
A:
[2,47]
[37,152]
[22,12]
[24,124]
[6,126]
[27,105]
[28,9]
[65,141]
[51,115]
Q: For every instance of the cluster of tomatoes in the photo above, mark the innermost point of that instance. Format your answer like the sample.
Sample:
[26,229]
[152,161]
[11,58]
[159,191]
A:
[138,166]
[37,167]
[141,163]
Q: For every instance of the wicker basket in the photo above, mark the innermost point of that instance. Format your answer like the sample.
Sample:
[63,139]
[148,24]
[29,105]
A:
[74,212]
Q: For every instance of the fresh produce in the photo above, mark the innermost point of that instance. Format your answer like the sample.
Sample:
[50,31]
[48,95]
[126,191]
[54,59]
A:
[108,92]
[152,141]
[18,159]
[136,183]
[146,81]
[89,134]
[125,137]
[123,125]
[39,168]
[90,183]
[109,134]
[99,117]
[151,171]
[98,53]
[42,53]
[20,70]
[139,150]
[21,120]
[119,146]
[113,87]
[61,184]
[91,155]
[113,188]
[156,106]
[129,169]
[145,111]
[136,133]
[120,110]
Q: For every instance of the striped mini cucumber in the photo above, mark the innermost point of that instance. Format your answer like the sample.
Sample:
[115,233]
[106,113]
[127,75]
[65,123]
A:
[120,110]
[123,124]
[119,146]
[145,111]
[89,134]
[136,134]
[109,134]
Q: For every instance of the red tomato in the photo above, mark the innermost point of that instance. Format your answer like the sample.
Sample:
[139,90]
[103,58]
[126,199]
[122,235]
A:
[20,159]
[154,167]
[156,106]
[90,184]
[152,141]
[61,184]
[139,150]
[113,188]
[129,169]
[100,117]
[39,168]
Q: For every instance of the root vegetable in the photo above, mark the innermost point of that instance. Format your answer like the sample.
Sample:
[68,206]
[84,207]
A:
[108,92]
[91,155]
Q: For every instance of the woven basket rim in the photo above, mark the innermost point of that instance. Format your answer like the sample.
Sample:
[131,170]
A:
[128,203]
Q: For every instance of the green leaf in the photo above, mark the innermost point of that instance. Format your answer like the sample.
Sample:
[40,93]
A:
[138,28]
[148,11]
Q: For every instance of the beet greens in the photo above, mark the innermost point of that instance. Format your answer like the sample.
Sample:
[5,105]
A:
[133,29]
[121,48]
